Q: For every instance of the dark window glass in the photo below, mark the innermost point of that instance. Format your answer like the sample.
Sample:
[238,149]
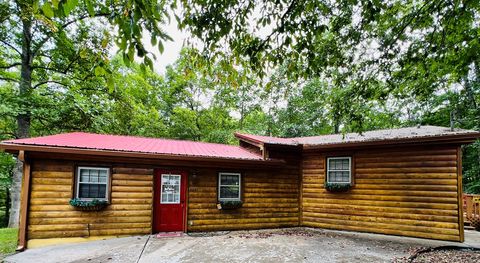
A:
[230,180]
[229,186]
[92,183]
[229,192]
[97,191]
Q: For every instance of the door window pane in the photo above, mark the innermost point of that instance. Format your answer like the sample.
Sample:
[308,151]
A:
[170,189]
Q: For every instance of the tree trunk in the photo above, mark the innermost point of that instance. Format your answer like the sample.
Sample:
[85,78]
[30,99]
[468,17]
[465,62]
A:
[336,127]
[23,119]
[15,190]
[336,123]
[242,113]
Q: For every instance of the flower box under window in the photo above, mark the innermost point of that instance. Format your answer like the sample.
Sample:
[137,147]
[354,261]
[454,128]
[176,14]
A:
[90,205]
[229,205]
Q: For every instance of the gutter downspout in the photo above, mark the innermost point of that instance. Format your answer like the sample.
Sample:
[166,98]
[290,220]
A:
[24,201]
[460,195]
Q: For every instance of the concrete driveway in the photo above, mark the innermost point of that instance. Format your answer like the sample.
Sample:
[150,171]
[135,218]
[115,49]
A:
[279,245]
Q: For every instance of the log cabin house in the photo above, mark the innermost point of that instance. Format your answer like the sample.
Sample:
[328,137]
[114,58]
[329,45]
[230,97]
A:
[405,182]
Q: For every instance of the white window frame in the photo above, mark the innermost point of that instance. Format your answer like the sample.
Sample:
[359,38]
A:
[77,182]
[179,188]
[349,169]
[239,186]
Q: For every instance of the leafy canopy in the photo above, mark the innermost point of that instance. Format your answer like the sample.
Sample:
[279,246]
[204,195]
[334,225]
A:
[370,50]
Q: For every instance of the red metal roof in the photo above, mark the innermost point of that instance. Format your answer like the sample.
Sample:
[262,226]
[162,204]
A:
[81,140]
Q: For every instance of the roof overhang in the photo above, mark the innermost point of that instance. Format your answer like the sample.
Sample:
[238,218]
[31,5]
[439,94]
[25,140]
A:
[16,148]
[457,139]
[260,143]
[249,140]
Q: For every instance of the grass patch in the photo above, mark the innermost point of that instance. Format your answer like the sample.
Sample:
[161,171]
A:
[8,241]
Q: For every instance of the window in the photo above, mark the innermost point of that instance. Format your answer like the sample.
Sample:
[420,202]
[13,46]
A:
[170,193]
[339,170]
[92,183]
[229,186]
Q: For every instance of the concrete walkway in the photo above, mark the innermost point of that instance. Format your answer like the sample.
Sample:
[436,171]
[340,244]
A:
[279,245]
[472,239]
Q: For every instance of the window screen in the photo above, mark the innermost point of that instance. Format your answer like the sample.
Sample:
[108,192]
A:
[339,170]
[229,186]
[92,183]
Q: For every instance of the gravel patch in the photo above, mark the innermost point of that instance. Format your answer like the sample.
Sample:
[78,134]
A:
[439,255]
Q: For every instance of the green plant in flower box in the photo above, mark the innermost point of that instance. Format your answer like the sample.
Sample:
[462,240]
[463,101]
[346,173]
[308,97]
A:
[88,205]
[230,204]
[337,187]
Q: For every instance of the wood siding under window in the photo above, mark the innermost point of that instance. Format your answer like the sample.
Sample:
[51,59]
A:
[51,216]
[408,192]
[270,200]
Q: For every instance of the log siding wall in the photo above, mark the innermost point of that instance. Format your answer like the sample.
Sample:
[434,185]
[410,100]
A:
[51,216]
[270,200]
[408,192]
[404,191]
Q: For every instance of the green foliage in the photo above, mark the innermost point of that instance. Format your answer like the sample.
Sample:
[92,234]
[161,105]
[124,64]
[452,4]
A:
[473,186]
[229,205]
[82,203]
[366,50]
[130,18]
[8,241]
[337,188]
[55,54]
[256,122]
[6,167]
[463,106]
[324,67]
[471,168]
[311,109]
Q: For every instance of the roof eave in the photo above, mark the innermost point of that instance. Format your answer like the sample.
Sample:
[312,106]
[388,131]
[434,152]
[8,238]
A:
[446,139]
[249,140]
[260,143]
[15,148]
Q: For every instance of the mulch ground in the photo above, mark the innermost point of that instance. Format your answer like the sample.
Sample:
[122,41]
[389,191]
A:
[441,256]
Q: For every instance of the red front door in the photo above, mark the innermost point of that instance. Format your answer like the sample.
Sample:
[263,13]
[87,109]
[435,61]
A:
[169,201]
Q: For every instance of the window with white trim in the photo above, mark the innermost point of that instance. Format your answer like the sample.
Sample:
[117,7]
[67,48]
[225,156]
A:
[170,192]
[92,183]
[229,186]
[339,170]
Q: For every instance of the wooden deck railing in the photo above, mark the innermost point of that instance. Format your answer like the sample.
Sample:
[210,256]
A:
[471,206]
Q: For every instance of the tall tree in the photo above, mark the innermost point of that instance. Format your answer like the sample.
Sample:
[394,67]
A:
[51,43]
[370,49]
[136,104]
